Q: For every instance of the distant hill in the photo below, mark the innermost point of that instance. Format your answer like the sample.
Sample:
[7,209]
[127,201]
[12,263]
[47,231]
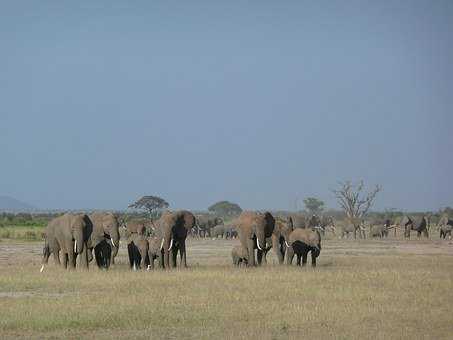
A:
[11,204]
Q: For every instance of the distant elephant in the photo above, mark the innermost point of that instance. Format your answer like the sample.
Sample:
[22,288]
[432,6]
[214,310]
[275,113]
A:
[303,241]
[231,232]
[280,237]
[174,227]
[379,230]
[352,226]
[204,224]
[239,256]
[253,229]
[420,225]
[327,223]
[446,227]
[105,238]
[314,222]
[218,230]
[155,251]
[69,234]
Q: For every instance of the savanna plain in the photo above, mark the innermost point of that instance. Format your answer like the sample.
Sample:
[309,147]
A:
[390,288]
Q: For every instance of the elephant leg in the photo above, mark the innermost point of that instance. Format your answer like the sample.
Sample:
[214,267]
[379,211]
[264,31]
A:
[259,256]
[130,254]
[313,259]
[166,258]
[251,252]
[304,257]
[298,259]
[182,250]
[71,259]
[289,256]
[56,257]
[65,260]
[98,255]
[355,234]
[174,254]
[83,258]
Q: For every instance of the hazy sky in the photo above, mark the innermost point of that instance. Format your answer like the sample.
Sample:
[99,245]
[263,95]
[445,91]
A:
[258,102]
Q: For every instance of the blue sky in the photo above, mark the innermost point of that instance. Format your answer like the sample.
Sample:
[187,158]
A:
[257,102]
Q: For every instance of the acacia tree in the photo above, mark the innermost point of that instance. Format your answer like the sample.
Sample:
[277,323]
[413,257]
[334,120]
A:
[225,208]
[152,204]
[314,205]
[354,200]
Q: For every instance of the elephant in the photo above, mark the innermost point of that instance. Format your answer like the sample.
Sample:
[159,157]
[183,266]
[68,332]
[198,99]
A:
[446,227]
[104,239]
[69,234]
[218,230]
[280,236]
[352,226]
[239,256]
[204,223]
[314,222]
[253,229]
[379,230]
[301,242]
[327,223]
[173,228]
[137,249]
[155,251]
[419,225]
[231,232]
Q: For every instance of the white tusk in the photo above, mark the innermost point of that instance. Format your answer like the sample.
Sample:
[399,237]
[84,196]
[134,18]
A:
[287,245]
[134,268]
[42,268]
[162,244]
[258,244]
[75,246]
[113,242]
[171,244]
[149,267]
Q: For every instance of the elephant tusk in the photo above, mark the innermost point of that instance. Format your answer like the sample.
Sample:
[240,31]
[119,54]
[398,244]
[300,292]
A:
[258,244]
[113,242]
[171,244]
[162,244]
[42,268]
[75,246]
[287,245]
[134,268]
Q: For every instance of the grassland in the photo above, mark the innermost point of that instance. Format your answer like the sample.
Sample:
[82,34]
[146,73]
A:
[376,289]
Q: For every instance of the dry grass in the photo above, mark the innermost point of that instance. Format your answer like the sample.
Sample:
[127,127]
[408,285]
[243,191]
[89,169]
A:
[377,289]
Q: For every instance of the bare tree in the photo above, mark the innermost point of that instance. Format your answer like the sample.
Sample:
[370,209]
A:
[355,202]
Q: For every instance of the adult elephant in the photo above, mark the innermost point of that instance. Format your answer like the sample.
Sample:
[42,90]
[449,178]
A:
[280,237]
[420,225]
[327,223]
[105,238]
[253,229]
[379,230]
[205,223]
[353,225]
[173,228]
[218,230]
[446,226]
[67,234]
[301,242]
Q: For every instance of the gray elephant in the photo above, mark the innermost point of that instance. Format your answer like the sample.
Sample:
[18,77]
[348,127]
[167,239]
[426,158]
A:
[327,223]
[445,226]
[104,239]
[173,228]
[218,230]
[137,245]
[420,225]
[231,232]
[155,251]
[253,229]
[379,230]
[301,242]
[280,237]
[239,256]
[353,225]
[67,234]
[204,223]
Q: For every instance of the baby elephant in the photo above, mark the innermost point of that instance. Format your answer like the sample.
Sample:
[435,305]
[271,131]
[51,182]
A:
[301,242]
[239,256]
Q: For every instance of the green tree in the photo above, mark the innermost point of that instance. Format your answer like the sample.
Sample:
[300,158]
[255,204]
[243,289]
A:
[152,204]
[313,205]
[225,208]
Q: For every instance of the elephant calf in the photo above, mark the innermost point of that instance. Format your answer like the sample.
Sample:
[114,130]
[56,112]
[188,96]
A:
[239,256]
[301,242]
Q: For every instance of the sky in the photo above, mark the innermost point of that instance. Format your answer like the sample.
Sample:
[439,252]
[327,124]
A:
[258,102]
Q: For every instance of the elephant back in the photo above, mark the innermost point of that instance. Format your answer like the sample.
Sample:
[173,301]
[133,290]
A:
[307,236]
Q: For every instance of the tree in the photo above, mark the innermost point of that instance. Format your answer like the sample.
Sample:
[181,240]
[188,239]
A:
[225,208]
[353,200]
[152,204]
[314,205]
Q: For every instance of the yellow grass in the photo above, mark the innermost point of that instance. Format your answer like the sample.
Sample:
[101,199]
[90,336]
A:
[360,289]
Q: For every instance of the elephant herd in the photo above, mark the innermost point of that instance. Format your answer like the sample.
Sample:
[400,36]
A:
[78,239]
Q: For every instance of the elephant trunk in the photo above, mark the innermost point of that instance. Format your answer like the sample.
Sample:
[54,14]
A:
[78,243]
[115,239]
[260,239]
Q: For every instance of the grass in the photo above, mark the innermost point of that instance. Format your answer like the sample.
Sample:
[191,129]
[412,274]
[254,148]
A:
[30,233]
[360,289]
